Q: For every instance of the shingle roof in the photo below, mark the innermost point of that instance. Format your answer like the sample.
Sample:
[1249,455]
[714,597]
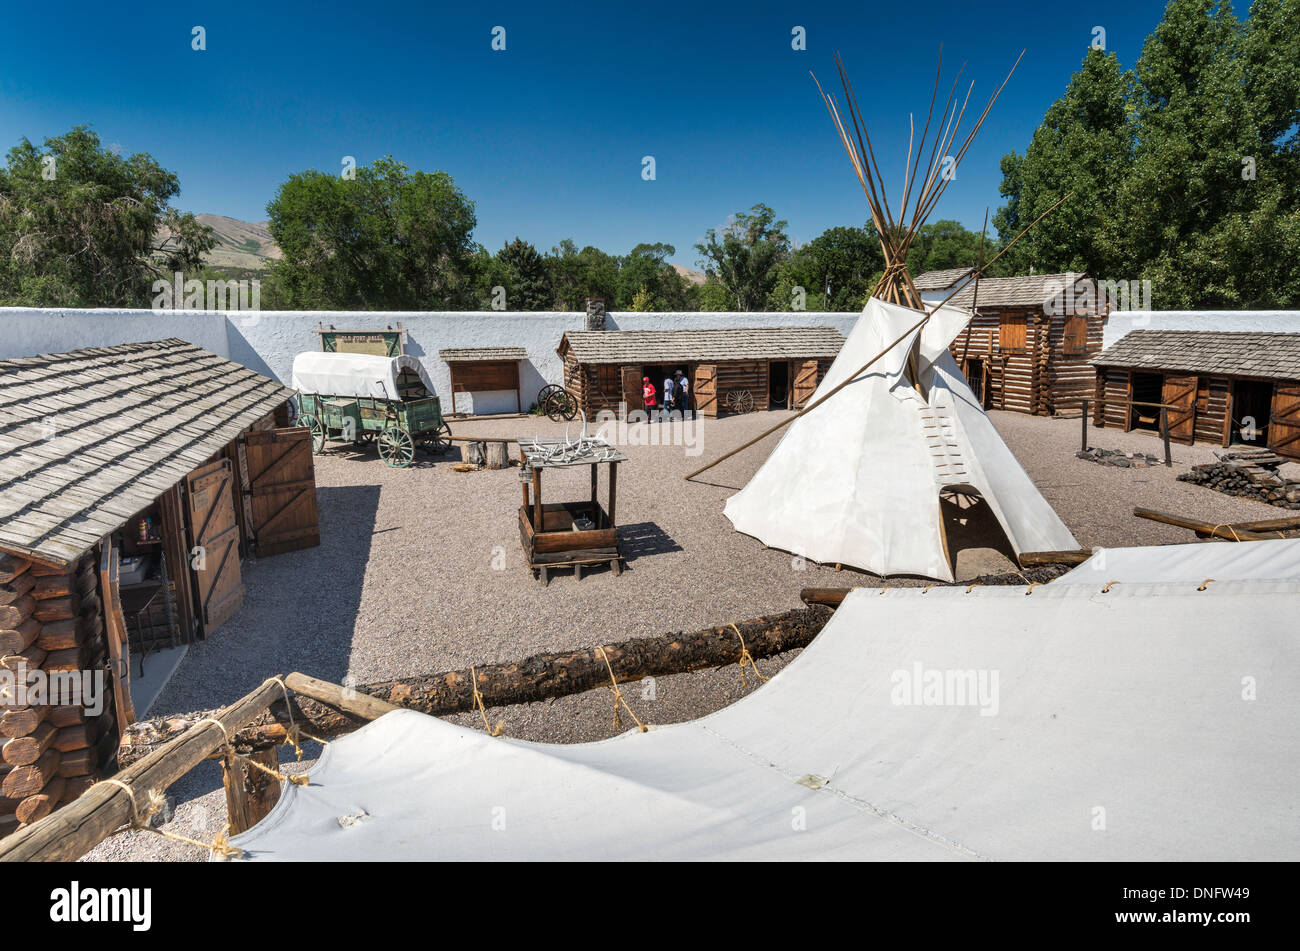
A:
[468,354]
[1224,353]
[690,346]
[91,437]
[1029,290]
[940,280]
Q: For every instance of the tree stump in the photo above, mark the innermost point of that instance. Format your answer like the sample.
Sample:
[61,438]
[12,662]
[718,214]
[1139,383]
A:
[250,793]
[497,456]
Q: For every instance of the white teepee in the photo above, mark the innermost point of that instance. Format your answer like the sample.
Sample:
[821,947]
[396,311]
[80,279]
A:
[857,480]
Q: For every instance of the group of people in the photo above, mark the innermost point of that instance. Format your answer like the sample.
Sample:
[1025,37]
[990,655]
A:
[676,394]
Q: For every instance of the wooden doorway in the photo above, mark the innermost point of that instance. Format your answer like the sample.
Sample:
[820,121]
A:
[805,382]
[1179,395]
[779,392]
[214,543]
[1284,424]
[706,390]
[282,490]
[631,384]
[1252,405]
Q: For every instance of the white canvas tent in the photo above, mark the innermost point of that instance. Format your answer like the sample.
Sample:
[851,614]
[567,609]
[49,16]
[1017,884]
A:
[1064,725]
[357,374]
[1276,559]
[857,480]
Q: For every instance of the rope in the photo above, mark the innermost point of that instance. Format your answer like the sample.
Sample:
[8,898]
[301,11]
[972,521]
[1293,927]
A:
[1108,586]
[229,749]
[1032,585]
[926,589]
[294,732]
[746,658]
[618,695]
[1205,584]
[478,701]
[140,822]
[1228,526]
[974,586]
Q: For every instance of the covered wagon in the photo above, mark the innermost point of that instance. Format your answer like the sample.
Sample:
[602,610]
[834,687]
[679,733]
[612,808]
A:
[361,398]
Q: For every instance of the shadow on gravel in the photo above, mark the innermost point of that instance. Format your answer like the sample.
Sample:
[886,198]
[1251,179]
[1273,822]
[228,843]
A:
[643,539]
[300,612]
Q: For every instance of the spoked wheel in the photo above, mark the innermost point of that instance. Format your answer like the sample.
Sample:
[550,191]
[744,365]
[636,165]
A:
[557,403]
[437,440]
[396,447]
[307,421]
[740,401]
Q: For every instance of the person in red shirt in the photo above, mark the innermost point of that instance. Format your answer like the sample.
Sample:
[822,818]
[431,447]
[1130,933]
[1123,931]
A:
[648,396]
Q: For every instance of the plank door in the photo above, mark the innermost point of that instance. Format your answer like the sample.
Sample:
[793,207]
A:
[1284,421]
[115,633]
[1180,393]
[805,382]
[631,383]
[282,490]
[213,531]
[705,387]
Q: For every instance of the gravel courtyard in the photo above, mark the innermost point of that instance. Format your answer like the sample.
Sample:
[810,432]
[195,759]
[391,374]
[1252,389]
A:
[421,570]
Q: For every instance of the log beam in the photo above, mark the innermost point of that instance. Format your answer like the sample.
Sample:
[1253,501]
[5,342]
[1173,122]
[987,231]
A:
[1218,531]
[327,710]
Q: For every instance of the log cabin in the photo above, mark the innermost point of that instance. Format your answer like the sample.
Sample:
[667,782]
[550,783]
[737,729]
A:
[132,480]
[1220,387]
[729,370]
[1027,347]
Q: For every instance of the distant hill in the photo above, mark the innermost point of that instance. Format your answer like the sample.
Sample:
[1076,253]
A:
[695,277]
[240,244]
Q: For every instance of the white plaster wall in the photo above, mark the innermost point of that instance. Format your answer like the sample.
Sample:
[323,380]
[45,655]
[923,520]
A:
[1121,322]
[27,331]
[267,341]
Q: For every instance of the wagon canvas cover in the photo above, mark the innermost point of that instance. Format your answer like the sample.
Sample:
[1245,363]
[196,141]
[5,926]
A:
[355,374]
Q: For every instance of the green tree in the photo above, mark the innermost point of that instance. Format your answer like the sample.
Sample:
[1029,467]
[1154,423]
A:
[388,239]
[836,270]
[525,277]
[576,275]
[646,268]
[744,257]
[1082,146]
[81,226]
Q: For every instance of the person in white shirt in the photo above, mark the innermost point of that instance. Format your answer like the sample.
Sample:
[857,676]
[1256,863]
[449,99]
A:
[683,392]
[670,393]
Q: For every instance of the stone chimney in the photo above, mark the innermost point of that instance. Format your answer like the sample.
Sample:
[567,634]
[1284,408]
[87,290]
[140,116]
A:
[595,313]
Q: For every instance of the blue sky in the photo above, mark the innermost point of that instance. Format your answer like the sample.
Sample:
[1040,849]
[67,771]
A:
[548,136]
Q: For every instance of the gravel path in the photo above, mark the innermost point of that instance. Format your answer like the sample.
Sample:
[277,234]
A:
[421,570]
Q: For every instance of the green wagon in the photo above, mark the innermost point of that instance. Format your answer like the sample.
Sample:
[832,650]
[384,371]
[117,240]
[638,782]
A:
[359,398]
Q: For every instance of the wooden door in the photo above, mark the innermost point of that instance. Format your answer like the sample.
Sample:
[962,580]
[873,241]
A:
[115,633]
[631,383]
[805,382]
[282,490]
[1179,394]
[1284,421]
[214,543]
[705,387]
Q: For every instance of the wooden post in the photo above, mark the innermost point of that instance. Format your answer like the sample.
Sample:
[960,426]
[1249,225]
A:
[594,482]
[613,491]
[1084,416]
[537,499]
[250,793]
[1164,434]
[1227,532]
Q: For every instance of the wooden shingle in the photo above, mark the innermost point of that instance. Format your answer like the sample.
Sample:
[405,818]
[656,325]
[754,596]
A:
[89,438]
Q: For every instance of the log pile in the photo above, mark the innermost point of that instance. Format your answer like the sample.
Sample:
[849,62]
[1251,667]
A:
[1248,475]
[1118,458]
[50,621]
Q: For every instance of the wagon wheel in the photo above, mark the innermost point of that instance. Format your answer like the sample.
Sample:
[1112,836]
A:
[740,401]
[307,421]
[437,440]
[291,407]
[396,447]
[545,392]
[560,406]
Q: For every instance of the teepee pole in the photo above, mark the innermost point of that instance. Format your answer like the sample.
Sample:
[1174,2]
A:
[811,406]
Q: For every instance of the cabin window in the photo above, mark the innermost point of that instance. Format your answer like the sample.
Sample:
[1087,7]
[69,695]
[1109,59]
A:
[1011,334]
[1076,335]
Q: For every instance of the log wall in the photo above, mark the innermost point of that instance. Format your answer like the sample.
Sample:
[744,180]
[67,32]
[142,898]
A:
[50,620]
[1041,378]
